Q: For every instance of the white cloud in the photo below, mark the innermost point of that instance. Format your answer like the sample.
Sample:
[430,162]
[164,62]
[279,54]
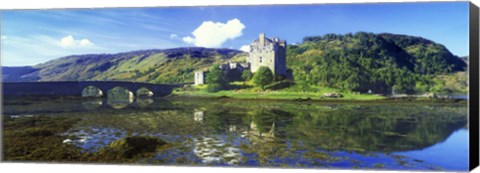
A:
[173,36]
[245,48]
[214,34]
[4,37]
[85,42]
[34,49]
[69,41]
[188,40]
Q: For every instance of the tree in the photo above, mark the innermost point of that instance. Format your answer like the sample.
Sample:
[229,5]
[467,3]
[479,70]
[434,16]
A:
[213,87]
[215,79]
[262,77]
[233,75]
[246,75]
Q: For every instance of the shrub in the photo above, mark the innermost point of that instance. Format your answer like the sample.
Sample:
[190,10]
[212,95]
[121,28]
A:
[215,79]
[213,87]
[263,77]
[246,75]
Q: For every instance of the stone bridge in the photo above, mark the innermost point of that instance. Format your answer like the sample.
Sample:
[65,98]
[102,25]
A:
[75,88]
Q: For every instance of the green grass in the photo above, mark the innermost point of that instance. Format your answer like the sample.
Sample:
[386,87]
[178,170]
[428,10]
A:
[456,82]
[291,93]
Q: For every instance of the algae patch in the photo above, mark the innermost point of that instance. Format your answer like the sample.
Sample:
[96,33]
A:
[132,146]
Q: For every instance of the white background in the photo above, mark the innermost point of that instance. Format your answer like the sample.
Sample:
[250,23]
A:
[91,168]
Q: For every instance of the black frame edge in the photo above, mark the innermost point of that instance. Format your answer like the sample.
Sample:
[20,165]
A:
[473,98]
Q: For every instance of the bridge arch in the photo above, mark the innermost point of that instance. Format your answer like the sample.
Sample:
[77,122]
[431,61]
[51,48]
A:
[92,91]
[119,97]
[144,91]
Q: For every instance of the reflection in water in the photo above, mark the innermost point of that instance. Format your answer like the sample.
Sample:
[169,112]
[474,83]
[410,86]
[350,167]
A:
[143,102]
[92,104]
[246,133]
[198,115]
[232,128]
[268,124]
[257,136]
[117,102]
[213,150]
[456,161]
[117,98]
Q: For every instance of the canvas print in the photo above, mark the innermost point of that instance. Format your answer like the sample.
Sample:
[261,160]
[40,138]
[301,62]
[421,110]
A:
[380,86]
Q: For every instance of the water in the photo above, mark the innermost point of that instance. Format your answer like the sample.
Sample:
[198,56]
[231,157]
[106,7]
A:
[227,132]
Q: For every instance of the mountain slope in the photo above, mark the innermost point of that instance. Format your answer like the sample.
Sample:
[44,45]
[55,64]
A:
[426,53]
[156,66]
[382,63]
[20,74]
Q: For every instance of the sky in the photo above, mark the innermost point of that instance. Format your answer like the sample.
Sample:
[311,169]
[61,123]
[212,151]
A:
[30,37]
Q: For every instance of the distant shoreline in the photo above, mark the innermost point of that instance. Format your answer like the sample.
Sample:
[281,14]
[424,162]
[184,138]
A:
[227,98]
[326,100]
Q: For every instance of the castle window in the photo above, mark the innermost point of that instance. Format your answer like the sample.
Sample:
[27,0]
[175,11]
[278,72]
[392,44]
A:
[260,59]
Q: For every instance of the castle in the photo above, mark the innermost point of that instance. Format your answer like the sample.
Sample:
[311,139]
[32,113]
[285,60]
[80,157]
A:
[268,52]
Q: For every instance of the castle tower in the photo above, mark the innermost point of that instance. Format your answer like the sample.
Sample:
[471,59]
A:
[199,77]
[269,52]
[261,39]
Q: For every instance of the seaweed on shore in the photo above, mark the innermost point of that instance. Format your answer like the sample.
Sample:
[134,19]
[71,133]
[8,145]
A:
[38,138]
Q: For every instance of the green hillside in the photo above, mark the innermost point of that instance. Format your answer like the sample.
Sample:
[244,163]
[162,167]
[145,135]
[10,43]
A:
[155,66]
[381,63]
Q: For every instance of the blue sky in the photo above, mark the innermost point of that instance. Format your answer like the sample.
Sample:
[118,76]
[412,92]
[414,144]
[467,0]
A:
[30,37]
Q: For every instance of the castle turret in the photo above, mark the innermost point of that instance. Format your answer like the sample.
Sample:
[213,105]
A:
[261,39]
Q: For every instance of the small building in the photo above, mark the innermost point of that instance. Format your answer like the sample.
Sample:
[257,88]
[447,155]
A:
[199,77]
[234,66]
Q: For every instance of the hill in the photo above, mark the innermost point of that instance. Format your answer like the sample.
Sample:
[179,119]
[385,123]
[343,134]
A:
[20,74]
[156,66]
[361,62]
[465,59]
[382,63]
